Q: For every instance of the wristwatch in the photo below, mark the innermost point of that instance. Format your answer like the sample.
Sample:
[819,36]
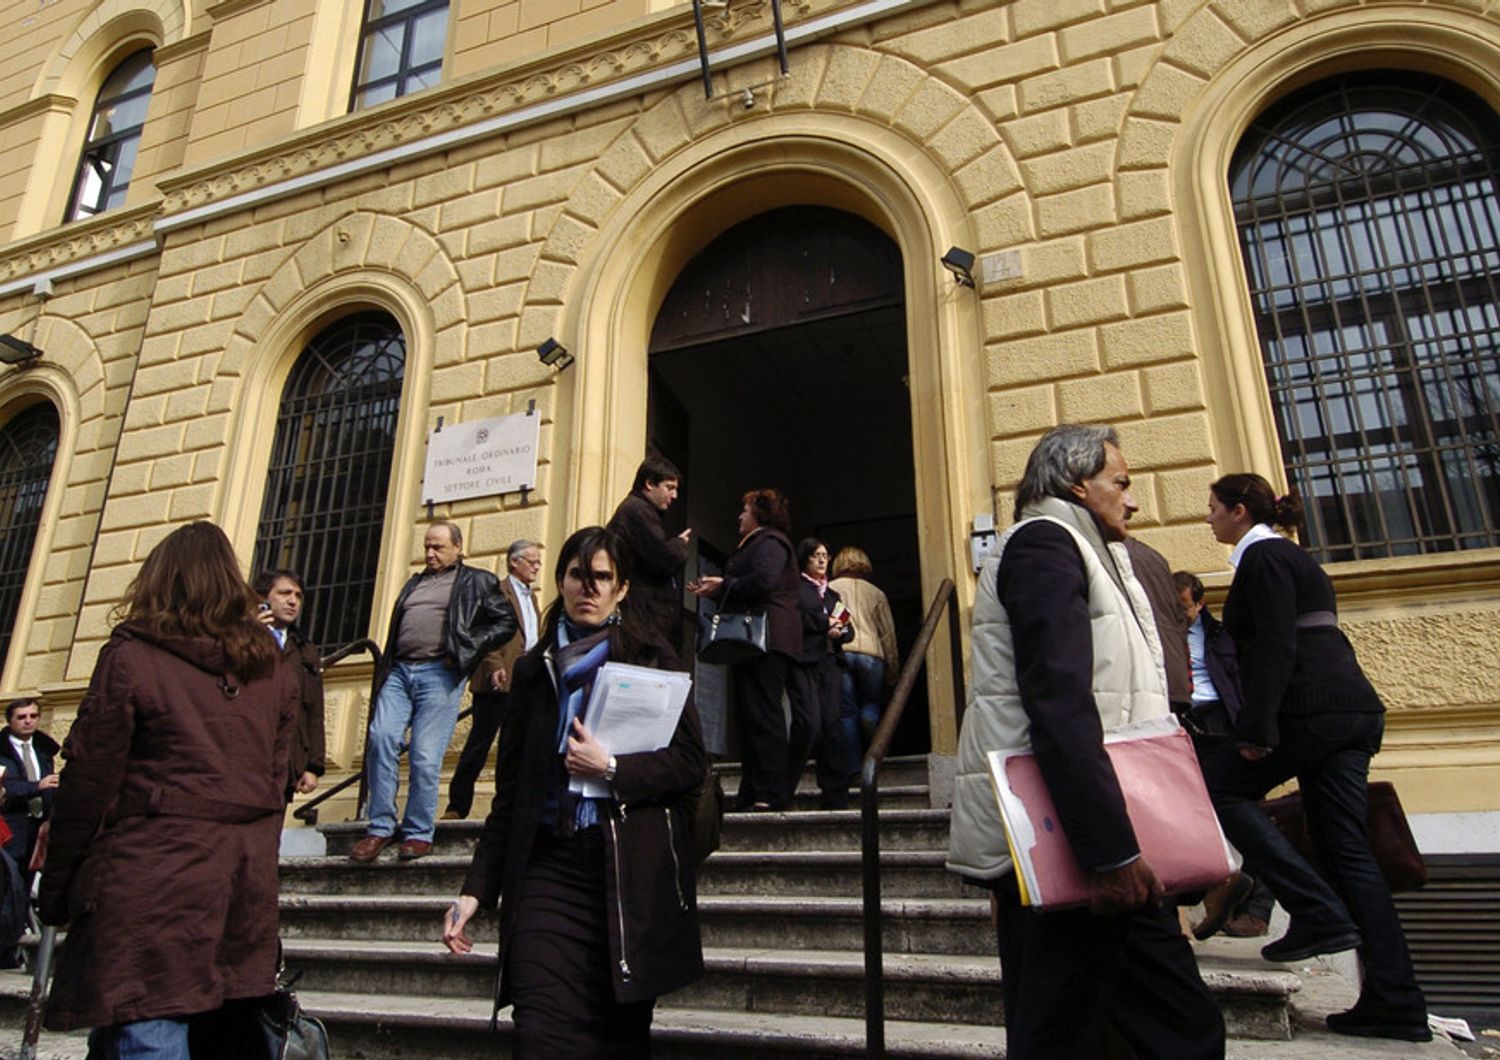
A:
[609,771]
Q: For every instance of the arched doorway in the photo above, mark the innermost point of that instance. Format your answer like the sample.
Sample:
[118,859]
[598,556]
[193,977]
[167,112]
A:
[779,358]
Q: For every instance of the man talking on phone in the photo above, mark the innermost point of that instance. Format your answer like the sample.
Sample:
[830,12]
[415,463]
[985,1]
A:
[284,595]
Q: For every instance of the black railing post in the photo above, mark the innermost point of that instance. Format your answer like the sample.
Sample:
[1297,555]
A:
[869,809]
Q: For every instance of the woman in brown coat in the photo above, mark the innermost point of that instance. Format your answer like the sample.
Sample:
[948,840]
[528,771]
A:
[163,849]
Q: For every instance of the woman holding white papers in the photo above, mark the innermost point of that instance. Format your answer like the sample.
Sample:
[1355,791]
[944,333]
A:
[1310,713]
[598,907]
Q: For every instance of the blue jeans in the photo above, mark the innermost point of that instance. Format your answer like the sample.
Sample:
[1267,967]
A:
[864,681]
[424,697]
[160,1039]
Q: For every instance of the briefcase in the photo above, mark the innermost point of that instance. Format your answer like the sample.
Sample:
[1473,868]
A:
[1390,836]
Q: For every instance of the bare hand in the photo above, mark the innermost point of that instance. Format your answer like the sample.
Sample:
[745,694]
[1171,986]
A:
[48,782]
[497,679]
[305,783]
[705,586]
[586,756]
[266,618]
[1253,754]
[455,920]
[1124,889]
[685,535]
[835,630]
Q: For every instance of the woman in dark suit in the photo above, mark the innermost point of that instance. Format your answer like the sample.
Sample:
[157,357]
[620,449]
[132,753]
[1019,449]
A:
[761,576]
[1310,713]
[598,907]
[815,684]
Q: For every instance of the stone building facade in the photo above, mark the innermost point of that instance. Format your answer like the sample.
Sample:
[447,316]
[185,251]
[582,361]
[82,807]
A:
[561,174]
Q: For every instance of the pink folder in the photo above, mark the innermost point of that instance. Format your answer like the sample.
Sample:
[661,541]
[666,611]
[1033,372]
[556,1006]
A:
[1174,822]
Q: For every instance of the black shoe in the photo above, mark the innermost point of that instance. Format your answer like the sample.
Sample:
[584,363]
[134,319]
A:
[1373,1025]
[1298,944]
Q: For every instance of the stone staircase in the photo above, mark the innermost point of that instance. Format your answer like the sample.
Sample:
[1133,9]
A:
[782,929]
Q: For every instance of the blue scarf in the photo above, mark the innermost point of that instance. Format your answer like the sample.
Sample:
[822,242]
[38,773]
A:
[580,653]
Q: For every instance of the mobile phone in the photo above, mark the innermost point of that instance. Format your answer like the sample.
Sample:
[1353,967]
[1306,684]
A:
[264,606]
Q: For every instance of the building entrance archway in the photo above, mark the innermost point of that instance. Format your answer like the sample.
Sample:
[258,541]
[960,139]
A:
[779,358]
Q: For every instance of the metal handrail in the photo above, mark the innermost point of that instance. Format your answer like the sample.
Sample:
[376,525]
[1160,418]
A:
[946,599]
[308,811]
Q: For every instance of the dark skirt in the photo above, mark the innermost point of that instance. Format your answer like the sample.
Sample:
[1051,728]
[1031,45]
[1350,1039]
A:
[558,960]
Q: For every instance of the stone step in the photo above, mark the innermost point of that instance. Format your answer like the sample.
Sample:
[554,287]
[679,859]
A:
[953,989]
[900,829]
[897,769]
[912,925]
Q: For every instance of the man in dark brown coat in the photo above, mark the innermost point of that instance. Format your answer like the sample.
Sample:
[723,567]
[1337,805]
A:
[165,832]
[284,596]
[656,585]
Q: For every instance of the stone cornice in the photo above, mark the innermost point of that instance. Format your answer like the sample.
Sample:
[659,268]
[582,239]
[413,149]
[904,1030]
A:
[78,247]
[229,8]
[170,53]
[40,105]
[659,51]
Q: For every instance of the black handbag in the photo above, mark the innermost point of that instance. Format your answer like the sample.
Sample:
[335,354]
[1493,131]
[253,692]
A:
[729,637]
[288,1032]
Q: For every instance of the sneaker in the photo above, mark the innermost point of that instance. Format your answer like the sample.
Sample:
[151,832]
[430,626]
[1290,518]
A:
[1219,903]
[1299,944]
[1372,1025]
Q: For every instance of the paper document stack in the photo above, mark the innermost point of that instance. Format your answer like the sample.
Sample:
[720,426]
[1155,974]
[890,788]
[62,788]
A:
[631,709]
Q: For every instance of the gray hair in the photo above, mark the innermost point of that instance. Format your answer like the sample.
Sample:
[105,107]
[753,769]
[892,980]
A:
[1066,455]
[454,533]
[518,546]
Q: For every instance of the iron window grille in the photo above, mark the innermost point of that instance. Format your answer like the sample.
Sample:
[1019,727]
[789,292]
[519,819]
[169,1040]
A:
[1369,222]
[28,446]
[114,138]
[329,471]
[400,49]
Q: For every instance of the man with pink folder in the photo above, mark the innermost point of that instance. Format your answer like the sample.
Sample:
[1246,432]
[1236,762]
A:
[1064,650]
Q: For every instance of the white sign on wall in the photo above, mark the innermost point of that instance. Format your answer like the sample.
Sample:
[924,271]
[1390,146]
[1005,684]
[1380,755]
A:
[482,458]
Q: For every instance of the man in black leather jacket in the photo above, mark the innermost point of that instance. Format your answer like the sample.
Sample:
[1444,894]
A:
[446,619]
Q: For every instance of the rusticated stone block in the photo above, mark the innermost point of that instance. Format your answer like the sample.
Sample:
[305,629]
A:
[1167,441]
[1102,399]
[1014,315]
[1076,211]
[1029,410]
[1065,170]
[1173,387]
[1147,340]
[1089,302]
[1045,357]
[1004,64]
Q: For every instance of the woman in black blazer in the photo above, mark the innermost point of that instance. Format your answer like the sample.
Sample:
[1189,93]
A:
[1310,713]
[761,575]
[598,907]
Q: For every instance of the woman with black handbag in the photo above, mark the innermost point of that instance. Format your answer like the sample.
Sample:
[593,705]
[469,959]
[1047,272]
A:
[1309,712]
[761,576]
[163,850]
[598,907]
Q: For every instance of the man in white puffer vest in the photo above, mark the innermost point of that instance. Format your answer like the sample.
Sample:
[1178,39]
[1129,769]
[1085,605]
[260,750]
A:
[1065,649]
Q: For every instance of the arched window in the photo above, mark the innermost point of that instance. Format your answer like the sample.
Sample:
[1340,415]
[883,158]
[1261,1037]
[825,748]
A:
[28,446]
[330,467]
[400,49]
[114,137]
[1369,220]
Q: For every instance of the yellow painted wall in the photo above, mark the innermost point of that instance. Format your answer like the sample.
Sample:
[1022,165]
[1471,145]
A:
[1090,137]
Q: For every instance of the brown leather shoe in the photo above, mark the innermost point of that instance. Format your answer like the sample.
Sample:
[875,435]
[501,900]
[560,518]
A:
[415,848]
[1219,903]
[451,815]
[369,848]
[1246,926]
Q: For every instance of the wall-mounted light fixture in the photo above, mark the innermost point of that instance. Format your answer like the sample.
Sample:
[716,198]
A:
[17,351]
[554,354]
[961,264]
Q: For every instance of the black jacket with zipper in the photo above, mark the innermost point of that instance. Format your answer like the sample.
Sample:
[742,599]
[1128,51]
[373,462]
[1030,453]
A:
[479,619]
[654,942]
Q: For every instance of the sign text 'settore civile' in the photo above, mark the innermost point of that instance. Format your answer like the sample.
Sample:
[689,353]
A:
[481,458]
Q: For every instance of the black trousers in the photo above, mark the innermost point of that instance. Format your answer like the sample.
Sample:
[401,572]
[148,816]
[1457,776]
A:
[815,692]
[484,724]
[557,961]
[1329,754]
[1070,979]
[758,685]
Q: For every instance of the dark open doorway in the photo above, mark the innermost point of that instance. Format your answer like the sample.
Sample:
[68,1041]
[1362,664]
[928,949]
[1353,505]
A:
[779,359]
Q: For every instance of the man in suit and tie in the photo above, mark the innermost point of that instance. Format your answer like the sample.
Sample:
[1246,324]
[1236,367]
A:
[30,782]
[490,685]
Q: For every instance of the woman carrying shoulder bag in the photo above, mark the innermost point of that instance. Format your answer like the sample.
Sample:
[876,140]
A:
[598,904]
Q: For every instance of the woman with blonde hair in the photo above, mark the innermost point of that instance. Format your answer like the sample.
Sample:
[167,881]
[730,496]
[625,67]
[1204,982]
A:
[164,837]
[871,658]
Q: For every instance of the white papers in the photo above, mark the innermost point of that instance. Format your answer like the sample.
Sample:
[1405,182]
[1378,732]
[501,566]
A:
[631,709]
